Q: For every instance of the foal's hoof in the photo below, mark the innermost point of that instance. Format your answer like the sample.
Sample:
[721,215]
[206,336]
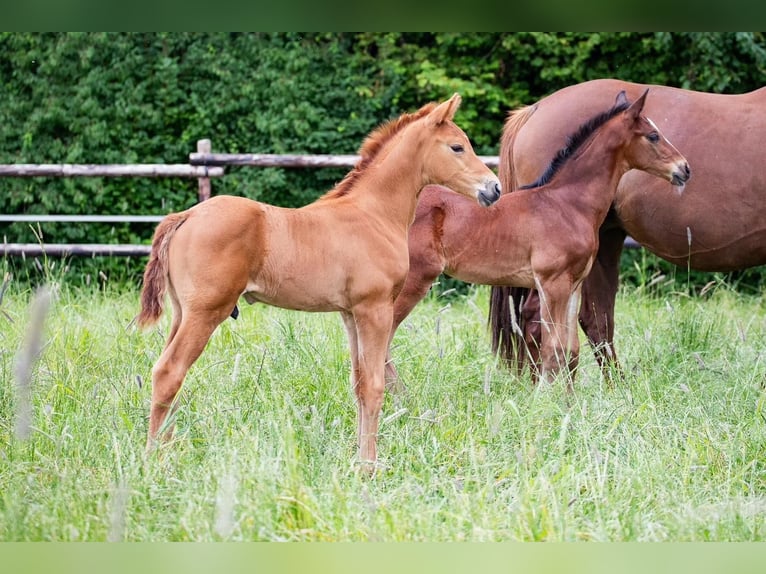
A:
[395,387]
[369,468]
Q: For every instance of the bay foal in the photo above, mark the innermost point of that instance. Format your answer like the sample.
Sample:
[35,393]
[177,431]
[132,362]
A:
[543,236]
[346,252]
[716,225]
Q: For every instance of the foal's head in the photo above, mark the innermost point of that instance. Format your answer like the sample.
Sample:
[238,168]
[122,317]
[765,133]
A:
[648,149]
[441,152]
[449,159]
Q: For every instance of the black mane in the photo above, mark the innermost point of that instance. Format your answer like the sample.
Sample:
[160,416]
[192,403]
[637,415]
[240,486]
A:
[574,142]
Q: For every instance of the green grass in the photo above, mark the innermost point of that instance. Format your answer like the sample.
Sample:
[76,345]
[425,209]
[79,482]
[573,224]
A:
[265,438]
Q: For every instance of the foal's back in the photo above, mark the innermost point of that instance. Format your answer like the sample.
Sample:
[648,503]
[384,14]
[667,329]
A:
[291,258]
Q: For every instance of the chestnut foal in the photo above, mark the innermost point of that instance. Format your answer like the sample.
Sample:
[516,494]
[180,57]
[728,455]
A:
[346,252]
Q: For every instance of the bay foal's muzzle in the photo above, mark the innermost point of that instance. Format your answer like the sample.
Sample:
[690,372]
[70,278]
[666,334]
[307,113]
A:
[681,175]
[490,193]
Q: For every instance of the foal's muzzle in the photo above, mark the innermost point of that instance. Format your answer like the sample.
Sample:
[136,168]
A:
[681,175]
[490,194]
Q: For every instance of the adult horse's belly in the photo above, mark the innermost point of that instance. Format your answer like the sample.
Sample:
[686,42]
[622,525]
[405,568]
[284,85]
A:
[711,226]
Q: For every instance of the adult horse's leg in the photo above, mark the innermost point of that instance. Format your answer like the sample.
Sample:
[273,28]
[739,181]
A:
[373,325]
[598,299]
[183,348]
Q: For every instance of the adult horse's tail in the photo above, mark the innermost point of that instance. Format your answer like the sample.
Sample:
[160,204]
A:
[505,318]
[156,273]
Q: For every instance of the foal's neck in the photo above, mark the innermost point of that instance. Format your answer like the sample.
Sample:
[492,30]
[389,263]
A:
[589,179]
[392,184]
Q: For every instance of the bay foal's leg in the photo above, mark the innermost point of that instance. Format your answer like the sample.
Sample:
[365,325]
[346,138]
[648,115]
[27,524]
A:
[419,280]
[559,351]
[573,340]
[373,326]
[186,343]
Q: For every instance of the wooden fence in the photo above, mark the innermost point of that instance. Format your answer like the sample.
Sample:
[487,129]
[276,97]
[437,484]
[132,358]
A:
[203,165]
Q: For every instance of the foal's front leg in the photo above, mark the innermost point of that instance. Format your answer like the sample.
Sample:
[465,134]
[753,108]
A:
[372,325]
[560,347]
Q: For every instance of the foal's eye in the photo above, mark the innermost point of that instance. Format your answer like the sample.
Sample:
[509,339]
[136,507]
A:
[653,137]
[457,148]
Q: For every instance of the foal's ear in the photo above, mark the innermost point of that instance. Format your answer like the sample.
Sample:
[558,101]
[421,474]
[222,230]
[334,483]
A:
[621,99]
[446,110]
[635,108]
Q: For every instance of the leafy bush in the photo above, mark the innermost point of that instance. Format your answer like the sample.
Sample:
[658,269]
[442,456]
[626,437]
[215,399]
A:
[148,98]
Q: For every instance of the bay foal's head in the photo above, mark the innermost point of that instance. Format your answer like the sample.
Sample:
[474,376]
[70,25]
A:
[649,150]
[449,159]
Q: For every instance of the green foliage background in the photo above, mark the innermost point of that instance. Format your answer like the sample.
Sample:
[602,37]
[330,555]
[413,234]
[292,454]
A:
[146,98]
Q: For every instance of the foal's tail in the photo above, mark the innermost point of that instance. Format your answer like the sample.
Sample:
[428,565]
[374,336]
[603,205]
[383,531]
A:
[505,318]
[156,273]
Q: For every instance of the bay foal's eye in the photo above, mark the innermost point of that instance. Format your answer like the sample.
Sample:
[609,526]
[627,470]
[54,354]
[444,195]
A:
[457,148]
[653,137]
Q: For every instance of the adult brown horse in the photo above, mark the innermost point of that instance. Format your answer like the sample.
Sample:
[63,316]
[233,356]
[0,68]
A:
[718,225]
[346,252]
[545,235]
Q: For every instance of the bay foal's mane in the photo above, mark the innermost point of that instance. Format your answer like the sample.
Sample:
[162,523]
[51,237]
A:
[372,146]
[575,142]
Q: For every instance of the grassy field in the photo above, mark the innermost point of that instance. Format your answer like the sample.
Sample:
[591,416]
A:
[265,439]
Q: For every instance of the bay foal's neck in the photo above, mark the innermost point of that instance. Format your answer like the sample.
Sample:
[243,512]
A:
[589,178]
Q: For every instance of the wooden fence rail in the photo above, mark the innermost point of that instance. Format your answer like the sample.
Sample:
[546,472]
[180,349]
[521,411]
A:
[71,249]
[289,160]
[109,170]
[203,165]
[82,218]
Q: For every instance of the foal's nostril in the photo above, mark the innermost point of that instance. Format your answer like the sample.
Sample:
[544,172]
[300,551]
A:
[490,194]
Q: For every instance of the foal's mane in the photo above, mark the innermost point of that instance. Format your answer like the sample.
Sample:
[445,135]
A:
[372,145]
[575,142]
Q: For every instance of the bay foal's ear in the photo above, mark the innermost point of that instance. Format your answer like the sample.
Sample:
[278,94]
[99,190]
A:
[445,111]
[635,108]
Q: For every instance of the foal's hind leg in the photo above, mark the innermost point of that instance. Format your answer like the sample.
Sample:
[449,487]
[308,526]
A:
[175,322]
[184,347]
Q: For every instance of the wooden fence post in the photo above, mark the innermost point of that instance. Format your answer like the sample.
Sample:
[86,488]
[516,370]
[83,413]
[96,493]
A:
[204,146]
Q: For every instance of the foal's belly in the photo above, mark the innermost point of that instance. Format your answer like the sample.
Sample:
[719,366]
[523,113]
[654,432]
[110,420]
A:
[295,298]
[489,274]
